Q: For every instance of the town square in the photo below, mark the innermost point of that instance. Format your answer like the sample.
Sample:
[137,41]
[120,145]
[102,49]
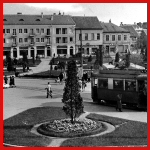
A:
[74,80]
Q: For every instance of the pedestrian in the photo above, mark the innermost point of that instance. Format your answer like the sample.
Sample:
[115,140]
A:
[83,84]
[5,79]
[61,77]
[49,90]
[13,81]
[10,81]
[119,102]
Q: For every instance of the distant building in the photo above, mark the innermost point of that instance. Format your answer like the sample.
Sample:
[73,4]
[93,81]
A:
[115,38]
[91,32]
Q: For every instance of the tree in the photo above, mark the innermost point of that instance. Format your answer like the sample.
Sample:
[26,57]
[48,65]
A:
[73,102]
[61,65]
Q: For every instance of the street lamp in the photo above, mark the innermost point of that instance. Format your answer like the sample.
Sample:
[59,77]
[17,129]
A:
[81,53]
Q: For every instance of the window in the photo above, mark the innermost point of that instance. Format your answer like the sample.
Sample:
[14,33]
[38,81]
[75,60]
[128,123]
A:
[48,31]
[37,19]
[125,37]
[107,37]
[58,39]
[71,39]
[58,30]
[42,39]
[130,85]
[3,30]
[86,36]
[37,30]
[14,31]
[31,31]
[42,30]
[7,30]
[119,37]
[118,84]
[25,30]
[113,37]
[80,37]
[98,36]
[20,40]
[64,30]
[25,39]
[37,39]
[92,36]
[103,83]
[20,30]
[64,40]
[4,40]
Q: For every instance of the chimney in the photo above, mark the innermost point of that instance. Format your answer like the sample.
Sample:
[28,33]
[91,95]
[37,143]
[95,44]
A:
[42,14]
[134,23]
[59,13]
[51,17]
[63,13]
[109,20]
[54,13]
[121,24]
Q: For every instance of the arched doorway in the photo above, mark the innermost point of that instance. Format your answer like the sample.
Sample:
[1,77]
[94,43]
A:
[32,52]
[71,50]
[15,52]
[48,51]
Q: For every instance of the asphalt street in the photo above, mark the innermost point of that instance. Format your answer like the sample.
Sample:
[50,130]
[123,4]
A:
[31,93]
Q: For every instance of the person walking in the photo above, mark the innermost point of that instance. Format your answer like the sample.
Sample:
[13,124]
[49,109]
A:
[119,102]
[49,90]
[61,77]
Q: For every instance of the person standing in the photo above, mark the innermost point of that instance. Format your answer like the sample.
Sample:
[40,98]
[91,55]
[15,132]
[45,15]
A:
[119,102]
[5,79]
[49,90]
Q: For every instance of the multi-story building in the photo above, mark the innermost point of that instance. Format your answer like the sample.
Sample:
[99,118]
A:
[115,37]
[135,32]
[88,34]
[38,35]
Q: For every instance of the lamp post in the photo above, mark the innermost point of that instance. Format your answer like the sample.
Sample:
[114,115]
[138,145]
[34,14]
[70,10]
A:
[81,53]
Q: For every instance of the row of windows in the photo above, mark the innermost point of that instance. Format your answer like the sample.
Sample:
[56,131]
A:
[58,40]
[113,37]
[85,36]
[14,31]
[130,85]
[21,40]
[37,30]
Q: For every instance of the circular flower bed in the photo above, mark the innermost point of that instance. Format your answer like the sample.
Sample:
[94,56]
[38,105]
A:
[64,128]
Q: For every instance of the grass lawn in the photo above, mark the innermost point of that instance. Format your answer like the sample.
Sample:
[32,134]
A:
[17,130]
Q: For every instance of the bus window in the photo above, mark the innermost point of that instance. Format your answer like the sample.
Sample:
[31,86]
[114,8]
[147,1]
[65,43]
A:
[118,84]
[103,83]
[130,85]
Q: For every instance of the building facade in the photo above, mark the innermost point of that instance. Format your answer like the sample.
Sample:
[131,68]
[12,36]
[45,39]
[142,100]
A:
[43,35]
[115,38]
[88,34]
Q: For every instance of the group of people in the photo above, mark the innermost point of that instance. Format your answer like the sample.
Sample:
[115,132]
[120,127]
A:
[11,82]
[60,78]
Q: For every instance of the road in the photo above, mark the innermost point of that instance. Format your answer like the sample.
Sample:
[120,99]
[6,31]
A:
[31,93]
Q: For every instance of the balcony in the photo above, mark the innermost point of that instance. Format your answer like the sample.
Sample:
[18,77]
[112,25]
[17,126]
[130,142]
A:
[48,35]
[14,34]
[32,43]
[31,34]
[14,44]
[48,44]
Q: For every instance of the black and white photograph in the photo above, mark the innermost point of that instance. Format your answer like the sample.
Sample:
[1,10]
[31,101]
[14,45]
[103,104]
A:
[75,75]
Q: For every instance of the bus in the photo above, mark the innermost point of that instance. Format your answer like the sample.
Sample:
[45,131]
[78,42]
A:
[132,84]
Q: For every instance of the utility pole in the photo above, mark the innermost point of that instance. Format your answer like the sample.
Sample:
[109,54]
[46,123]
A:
[81,53]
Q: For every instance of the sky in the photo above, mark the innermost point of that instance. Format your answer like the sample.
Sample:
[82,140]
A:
[128,13]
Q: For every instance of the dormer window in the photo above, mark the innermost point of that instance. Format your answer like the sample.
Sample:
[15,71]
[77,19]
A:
[37,19]
[21,20]
[4,20]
